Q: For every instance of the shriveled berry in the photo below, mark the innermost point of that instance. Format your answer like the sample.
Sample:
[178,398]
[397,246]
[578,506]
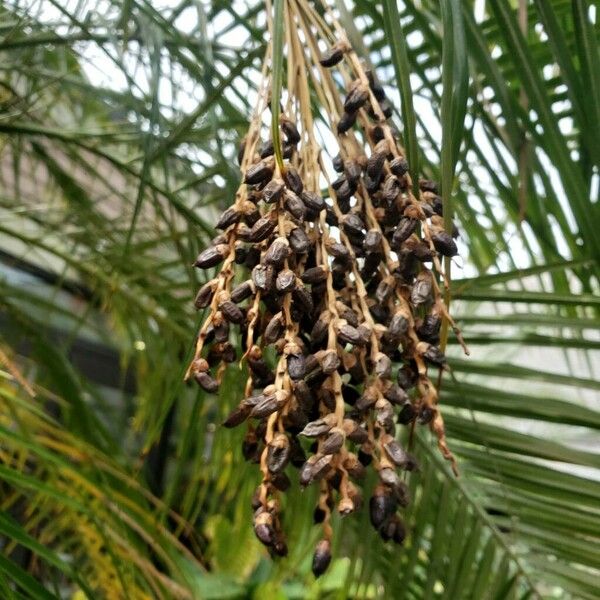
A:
[321,558]
[228,218]
[399,166]
[242,291]
[211,257]
[314,275]
[332,56]
[262,229]
[296,366]
[346,122]
[444,243]
[259,173]
[356,98]
[278,453]
[232,312]
[381,506]
[237,416]
[286,281]
[273,191]
[313,201]
[292,180]
[206,382]
[289,130]
[263,277]
[204,295]
[277,253]
[299,241]
[294,205]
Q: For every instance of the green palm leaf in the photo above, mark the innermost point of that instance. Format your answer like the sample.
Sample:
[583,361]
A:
[119,123]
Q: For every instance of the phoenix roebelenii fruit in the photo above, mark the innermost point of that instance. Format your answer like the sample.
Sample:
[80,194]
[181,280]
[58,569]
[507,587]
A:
[329,258]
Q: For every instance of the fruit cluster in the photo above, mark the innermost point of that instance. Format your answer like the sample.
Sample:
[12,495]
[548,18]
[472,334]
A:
[330,274]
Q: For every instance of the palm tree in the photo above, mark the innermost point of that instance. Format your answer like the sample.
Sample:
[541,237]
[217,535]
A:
[119,123]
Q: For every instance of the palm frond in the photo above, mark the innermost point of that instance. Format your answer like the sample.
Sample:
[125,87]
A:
[119,123]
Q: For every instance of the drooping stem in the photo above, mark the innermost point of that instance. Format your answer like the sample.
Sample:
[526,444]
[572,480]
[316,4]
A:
[277,78]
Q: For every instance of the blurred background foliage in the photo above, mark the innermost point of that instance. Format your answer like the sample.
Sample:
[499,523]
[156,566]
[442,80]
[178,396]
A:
[119,121]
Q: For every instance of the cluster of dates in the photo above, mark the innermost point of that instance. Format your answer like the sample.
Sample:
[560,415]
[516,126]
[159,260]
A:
[338,314]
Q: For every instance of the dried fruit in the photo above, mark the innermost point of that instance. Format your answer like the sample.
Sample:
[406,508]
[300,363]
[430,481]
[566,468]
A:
[381,506]
[334,441]
[211,257]
[399,166]
[294,205]
[296,366]
[349,335]
[372,241]
[313,201]
[286,281]
[321,558]
[274,329]
[403,231]
[237,416]
[422,288]
[293,181]
[444,243]
[273,191]
[332,56]
[228,218]
[206,382]
[277,253]
[262,229]
[376,161]
[356,98]
[231,312]
[278,453]
[319,427]
[205,295]
[314,275]
[299,241]
[289,130]
[263,277]
[260,172]
[242,291]
[266,149]
[346,122]
[395,452]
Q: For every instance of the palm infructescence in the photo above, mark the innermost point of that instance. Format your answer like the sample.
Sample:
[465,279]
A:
[119,125]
